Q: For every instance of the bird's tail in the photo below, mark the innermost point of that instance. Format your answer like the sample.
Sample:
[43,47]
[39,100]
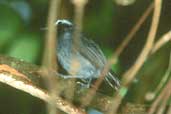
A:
[112,80]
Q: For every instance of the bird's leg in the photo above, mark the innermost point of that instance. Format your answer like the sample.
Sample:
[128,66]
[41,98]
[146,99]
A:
[70,76]
[86,84]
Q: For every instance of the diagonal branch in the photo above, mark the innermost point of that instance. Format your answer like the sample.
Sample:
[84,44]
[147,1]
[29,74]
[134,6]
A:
[129,75]
[163,40]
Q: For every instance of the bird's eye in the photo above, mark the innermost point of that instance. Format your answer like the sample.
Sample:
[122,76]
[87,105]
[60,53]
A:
[59,22]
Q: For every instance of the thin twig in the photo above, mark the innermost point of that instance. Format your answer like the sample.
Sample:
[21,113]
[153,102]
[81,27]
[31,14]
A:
[49,57]
[163,80]
[163,105]
[130,73]
[134,30]
[79,6]
[163,40]
[169,110]
[159,98]
[78,18]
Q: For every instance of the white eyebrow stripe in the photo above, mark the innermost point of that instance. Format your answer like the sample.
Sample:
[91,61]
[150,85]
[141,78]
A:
[63,21]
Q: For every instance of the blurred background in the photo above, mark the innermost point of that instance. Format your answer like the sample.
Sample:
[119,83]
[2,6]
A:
[107,22]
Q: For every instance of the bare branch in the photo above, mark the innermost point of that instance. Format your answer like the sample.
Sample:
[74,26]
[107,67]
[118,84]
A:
[49,57]
[130,73]
[160,97]
[13,80]
[169,110]
[134,30]
[152,95]
[162,41]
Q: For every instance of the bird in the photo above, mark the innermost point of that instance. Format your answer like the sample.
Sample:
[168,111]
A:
[84,61]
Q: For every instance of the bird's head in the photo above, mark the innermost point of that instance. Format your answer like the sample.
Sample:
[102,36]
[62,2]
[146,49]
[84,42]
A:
[64,26]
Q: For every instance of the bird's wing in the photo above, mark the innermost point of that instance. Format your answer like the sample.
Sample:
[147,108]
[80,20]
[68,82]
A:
[91,51]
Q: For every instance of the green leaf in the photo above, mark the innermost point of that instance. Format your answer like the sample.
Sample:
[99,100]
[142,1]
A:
[10,23]
[27,47]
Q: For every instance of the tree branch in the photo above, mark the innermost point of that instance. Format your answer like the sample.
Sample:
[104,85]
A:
[12,73]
